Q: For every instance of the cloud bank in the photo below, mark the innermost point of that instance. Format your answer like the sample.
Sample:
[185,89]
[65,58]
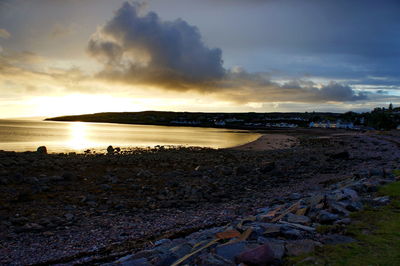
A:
[139,48]
[4,34]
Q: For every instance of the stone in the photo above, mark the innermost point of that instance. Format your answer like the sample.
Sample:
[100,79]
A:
[299,247]
[271,230]
[227,234]
[338,209]
[382,200]
[167,259]
[131,261]
[165,241]
[110,150]
[32,227]
[262,255]
[228,251]
[343,221]
[350,193]
[69,216]
[325,217]
[298,219]
[354,206]
[41,150]
[181,250]
[295,196]
[209,259]
[290,233]
[316,199]
[277,246]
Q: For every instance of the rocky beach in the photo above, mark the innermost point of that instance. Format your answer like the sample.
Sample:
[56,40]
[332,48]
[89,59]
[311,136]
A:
[179,205]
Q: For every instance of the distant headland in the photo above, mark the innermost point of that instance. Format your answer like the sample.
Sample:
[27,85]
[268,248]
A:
[379,118]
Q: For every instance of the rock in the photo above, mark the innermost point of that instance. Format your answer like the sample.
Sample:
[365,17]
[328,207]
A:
[69,216]
[42,150]
[351,194]
[343,221]
[181,250]
[295,196]
[209,259]
[32,227]
[298,219]
[272,230]
[165,241]
[227,234]
[382,200]
[228,251]
[316,199]
[262,255]
[131,261]
[325,217]
[110,150]
[299,247]
[166,259]
[290,233]
[338,209]
[354,206]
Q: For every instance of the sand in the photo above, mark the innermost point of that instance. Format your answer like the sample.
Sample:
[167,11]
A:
[269,142]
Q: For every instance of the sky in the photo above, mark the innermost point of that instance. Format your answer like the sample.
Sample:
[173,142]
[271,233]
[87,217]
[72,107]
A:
[61,57]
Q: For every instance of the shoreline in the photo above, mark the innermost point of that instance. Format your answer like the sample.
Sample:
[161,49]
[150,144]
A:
[86,207]
[268,142]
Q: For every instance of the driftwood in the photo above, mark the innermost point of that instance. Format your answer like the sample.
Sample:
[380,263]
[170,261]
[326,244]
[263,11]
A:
[288,210]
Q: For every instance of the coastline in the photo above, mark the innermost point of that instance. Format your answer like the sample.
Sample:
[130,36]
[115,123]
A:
[268,142]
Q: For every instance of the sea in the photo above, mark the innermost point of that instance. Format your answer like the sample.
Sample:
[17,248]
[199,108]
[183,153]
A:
[26,135]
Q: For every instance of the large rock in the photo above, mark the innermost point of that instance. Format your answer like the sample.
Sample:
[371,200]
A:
[325,217]
[42,150]
[230,250]
[262,255]
[110,150]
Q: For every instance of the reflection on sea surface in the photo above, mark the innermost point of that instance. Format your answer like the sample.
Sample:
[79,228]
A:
[20,135]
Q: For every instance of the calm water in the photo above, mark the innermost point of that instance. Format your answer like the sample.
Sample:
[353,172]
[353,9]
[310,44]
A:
[27,135]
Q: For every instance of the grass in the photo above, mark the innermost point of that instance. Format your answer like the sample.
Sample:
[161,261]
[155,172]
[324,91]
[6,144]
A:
[377,231]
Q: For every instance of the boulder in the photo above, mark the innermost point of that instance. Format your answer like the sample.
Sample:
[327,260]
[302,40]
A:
[325,217]
[262,255]
[41,150]
[228,251]
[110,150]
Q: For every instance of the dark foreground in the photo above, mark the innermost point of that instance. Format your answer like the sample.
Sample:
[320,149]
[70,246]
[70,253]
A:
[60,208]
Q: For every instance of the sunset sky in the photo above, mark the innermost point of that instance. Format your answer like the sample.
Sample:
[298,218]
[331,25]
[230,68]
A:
[61,57]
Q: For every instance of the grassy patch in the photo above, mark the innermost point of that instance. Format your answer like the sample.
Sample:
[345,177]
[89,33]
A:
[377,231]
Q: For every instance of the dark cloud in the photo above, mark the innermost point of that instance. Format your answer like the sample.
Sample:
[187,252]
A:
[142,48]
[139,48]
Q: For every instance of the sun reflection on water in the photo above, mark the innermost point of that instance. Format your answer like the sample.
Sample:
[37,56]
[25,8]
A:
[78,136]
